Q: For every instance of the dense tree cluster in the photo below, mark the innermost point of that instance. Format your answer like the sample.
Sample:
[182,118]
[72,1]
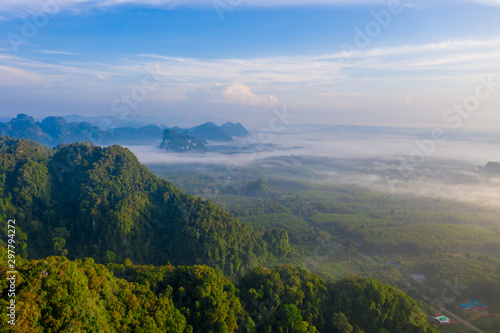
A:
[387,235]
[58,295]
[298,230]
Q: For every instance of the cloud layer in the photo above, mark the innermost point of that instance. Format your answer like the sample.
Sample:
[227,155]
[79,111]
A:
[352,156]
[297,80]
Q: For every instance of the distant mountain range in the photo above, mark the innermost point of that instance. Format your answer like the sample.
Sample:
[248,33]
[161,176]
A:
[53,131]
[137,121]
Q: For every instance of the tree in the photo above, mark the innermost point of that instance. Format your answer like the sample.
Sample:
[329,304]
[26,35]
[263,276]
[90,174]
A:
[340,321]
[350,247]
[59,244]
[290,317]
[277,238]
[110,256]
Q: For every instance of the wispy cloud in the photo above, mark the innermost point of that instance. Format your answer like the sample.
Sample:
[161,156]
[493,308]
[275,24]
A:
[35,5]
[17,77]
[451,45]
[23,7]
[286,70]
[262,81]
[57,52]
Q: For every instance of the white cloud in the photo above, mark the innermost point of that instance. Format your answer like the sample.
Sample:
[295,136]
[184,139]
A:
[332,94]
[451,45]
[17,77]
[258,71]
[57,52]
[236,93]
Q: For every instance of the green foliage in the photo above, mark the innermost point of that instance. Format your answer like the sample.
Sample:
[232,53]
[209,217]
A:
[277,239]
[476,278]
[59,295]
[386,235]
[80,200]
[83,200]
[350,247]
[341,323]
[264,292]
[465,270]
[298,230]
[206,298]
[278,299]
[374,306]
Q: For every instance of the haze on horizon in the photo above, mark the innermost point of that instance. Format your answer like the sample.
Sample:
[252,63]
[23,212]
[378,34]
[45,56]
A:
[391,63]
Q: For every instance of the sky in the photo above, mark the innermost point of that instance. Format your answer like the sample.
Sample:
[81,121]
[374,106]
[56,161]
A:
[410,63]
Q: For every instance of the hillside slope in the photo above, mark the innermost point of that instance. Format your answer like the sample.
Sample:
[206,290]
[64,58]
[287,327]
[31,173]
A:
[81,200]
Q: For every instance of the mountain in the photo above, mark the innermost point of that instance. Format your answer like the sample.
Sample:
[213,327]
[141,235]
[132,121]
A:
[82,200]
[176,142]
[212,132]
[61,131]
[134,121]
[492,167]
[235,129]
[53,131]
[25,127]
[150,134]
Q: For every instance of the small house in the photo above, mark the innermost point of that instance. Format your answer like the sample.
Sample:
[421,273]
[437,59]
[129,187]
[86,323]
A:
[443,320]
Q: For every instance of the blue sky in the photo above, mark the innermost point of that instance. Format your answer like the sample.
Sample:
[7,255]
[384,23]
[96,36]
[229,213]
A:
[169,58]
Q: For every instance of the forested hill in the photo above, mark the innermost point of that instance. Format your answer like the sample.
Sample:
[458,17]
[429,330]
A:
[82,200]
[58,295]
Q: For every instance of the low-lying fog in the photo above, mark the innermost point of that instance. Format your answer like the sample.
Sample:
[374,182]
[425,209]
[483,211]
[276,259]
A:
[423,162]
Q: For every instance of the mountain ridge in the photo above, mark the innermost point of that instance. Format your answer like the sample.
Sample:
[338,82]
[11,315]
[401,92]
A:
[52,131]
